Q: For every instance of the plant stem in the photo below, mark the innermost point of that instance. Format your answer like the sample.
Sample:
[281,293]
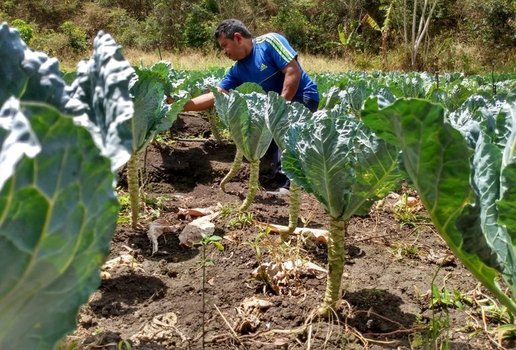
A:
[237,163]
[253,185]
[213,120]
[336,256]
[202,291]
[132,188]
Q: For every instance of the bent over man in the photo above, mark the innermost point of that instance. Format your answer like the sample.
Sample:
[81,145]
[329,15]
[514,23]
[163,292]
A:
[268,60]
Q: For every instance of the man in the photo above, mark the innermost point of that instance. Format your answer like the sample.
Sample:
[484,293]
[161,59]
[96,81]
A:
[268,60]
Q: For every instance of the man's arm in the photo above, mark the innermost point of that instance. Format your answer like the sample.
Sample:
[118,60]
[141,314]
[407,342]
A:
[201,102]
[292,78]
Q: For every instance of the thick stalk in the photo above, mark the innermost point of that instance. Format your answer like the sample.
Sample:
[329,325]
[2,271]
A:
[293,209]
[336,256]
[133,188]
[237,163]
[214,126]
[253,185]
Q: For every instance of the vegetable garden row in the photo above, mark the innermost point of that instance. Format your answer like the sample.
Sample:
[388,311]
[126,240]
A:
[63,137]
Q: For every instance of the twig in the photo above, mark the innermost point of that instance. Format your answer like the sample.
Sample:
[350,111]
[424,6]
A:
[309,339]
[233,333]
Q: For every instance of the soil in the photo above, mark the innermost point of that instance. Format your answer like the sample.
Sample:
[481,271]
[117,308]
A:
[178,299]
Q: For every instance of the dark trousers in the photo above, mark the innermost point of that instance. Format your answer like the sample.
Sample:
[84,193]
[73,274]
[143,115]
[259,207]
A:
[282,179]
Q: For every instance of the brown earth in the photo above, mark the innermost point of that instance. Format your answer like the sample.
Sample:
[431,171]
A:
[159,301]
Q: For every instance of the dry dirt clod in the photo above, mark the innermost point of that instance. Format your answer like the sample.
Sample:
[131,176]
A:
[197,229]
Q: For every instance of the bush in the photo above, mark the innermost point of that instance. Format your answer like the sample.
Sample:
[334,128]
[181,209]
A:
[296,27]
[199,26]
[51,42]
[25,29]
[77,38]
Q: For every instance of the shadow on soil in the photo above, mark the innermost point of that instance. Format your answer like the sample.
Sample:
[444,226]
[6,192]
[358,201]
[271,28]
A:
[376,312]
[121,295]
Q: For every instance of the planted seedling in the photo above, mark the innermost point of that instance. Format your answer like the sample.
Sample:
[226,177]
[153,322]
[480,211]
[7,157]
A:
[207,240]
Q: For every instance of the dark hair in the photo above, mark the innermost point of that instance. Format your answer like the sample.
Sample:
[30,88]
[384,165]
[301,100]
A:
[229,27]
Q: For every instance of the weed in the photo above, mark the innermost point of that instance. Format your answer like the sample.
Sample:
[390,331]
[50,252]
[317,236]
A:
[164,139]
[401,250]
[68,343]
[444,298]
[124,215]
[404,212]
[236,219]
[123,345]
[255,243]
[204,242]
[308,218]
[437,335]
[226,210]
[153,205]
[496,318]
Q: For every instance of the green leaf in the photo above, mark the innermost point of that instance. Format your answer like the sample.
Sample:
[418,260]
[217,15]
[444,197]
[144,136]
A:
[28,75]
[437,160]
[151,113]
[214,238]
[334,157]
[219,246]
[247,88]
[507,202]
[280,115]
[244,117]
[100,99]
[58,212]
[18,139]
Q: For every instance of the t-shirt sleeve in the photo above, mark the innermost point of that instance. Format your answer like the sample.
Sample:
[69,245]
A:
[230,80]
[280,49]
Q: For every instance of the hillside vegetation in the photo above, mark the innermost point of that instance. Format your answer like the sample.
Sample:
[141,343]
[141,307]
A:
[470,36]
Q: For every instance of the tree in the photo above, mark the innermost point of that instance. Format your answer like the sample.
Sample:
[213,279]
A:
[415,26]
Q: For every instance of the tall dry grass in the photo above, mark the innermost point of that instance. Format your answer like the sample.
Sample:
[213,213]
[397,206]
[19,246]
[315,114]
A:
[469,59]
[192,60]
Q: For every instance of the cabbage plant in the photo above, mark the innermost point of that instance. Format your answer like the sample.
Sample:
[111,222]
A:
[242,111]
[346,167]
[279,118]
[152,115]
[466,179]
[58,208]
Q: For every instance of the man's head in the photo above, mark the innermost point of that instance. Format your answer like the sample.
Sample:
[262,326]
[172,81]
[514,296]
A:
[229,27]
[234,38]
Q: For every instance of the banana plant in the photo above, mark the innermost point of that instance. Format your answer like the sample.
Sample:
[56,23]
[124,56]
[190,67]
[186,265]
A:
[242,112]
[279,118]
[337,159]
[152,115]
[466,178]
[384,30]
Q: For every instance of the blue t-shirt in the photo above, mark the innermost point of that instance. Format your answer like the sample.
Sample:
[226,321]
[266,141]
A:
[269,56]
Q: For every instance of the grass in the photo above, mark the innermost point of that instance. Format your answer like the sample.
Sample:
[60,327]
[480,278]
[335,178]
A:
[463,58]
[192,60]
[468,59]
